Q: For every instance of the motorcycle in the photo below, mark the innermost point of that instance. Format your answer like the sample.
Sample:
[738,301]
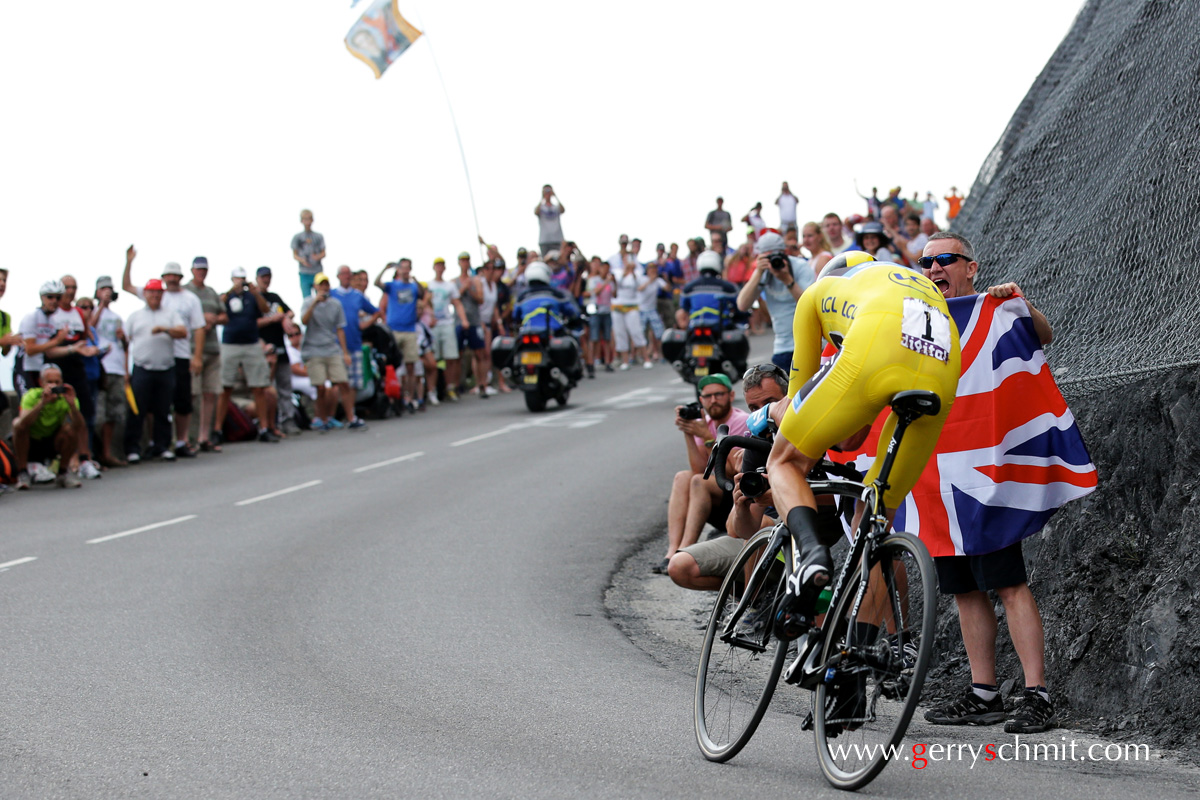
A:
[542,365]
[706,350]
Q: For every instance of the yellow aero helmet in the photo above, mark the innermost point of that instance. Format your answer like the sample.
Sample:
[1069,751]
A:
[846,260]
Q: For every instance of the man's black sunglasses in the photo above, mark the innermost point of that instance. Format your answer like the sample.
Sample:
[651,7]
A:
[765,369]
[942,259]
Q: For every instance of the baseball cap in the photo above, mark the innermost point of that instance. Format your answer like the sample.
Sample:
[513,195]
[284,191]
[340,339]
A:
[553,255]
[464,254]
[521,251]
[708,380]
[770,241]
[104,282]
[154,284]
[320,278]
[263,271]
[172,268]
[199,262]
[439,260]
[238,272]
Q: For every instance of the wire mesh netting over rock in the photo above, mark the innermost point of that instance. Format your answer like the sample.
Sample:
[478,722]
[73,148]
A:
[1091,198]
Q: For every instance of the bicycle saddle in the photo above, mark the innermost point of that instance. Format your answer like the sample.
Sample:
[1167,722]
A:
[913,404]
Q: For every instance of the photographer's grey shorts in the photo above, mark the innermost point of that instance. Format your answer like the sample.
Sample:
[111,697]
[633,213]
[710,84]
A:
[715,556]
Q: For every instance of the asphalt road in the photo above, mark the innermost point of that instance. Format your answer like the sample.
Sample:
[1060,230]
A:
[424,617]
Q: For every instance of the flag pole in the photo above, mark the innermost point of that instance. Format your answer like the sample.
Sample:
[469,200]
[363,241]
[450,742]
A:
[458,137]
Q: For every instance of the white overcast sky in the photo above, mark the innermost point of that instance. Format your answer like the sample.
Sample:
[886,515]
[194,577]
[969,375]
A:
[204,128]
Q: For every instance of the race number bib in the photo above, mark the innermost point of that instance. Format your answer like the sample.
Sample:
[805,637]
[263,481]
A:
[925,329]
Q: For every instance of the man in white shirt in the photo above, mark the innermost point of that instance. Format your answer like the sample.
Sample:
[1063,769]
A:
[189,350]
[787,203]
[150,370]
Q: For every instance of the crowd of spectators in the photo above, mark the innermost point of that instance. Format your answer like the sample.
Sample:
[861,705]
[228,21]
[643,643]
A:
[205,362]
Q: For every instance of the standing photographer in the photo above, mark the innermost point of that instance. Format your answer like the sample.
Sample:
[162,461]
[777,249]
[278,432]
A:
[779,279]
[694,499]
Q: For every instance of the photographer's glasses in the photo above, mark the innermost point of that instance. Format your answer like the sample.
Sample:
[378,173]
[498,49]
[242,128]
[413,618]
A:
[763,369]
[943,260]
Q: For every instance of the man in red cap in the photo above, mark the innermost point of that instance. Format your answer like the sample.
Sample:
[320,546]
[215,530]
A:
[150,371]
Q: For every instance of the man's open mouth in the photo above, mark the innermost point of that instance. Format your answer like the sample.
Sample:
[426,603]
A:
[942,284]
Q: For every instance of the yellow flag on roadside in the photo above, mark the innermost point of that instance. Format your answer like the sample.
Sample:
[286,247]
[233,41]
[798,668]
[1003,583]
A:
[380,36]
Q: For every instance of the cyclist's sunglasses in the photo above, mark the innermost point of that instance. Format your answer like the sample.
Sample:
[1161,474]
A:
[763,369]
[943,260]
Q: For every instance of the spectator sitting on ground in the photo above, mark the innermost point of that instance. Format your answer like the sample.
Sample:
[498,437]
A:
[150,372]
[326,357]
[241,351]
[695,499]
[300,382]
[48,427]
[703,565]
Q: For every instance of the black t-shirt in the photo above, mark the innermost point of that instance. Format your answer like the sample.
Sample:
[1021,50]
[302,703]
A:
[273,333]
[242,327]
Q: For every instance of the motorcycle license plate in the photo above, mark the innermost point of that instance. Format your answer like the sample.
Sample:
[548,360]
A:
[531,379]
[531,357]
[700,372]
[702,351]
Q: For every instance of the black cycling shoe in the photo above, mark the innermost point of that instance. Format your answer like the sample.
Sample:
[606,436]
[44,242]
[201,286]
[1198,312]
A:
[796,609]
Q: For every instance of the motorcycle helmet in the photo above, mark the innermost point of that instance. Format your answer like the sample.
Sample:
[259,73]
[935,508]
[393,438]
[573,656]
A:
[710,263]
[538,272]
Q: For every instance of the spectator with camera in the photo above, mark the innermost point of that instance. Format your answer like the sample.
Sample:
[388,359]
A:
[241,352]
[695,499]
[48,428]
[779,279]
[702,565]
[326,356]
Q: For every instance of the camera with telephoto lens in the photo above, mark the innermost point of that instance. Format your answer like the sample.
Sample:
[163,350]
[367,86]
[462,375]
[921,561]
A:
[755,484]
[779,261]
[691,411]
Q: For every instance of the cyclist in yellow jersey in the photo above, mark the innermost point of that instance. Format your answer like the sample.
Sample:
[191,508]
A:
[893,333]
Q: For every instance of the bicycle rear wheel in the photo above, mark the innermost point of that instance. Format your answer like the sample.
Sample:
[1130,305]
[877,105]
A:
[875,662]
[738,673]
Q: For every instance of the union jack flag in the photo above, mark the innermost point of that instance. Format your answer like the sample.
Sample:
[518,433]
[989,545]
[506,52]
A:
[1010,454]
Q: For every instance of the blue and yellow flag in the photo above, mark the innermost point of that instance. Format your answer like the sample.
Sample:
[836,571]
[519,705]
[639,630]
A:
[380,36]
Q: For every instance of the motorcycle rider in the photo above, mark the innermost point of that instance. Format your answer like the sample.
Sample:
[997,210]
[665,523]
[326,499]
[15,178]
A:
[541,308]
[707,300]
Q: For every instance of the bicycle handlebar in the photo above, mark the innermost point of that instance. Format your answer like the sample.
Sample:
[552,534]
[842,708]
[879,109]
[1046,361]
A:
[725,443]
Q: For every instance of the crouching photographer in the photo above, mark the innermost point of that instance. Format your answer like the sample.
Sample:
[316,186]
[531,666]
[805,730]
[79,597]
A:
[702,565]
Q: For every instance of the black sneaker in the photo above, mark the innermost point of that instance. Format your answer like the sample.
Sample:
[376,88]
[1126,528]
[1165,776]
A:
[183,451]
[268,437]
[660,568]
[970,709]
[591,370]
[1034,715]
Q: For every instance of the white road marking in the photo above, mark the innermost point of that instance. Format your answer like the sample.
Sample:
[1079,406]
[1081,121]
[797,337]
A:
[17,562]
[379,464]
[142,529]
[490,434]
[288,490]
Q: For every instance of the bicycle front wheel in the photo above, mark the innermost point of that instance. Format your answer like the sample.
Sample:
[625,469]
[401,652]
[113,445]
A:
[739,668]
[875,662]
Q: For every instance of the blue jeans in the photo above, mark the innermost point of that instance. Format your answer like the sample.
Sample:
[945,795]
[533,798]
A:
[655,322]
[306,282]
[783,361]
